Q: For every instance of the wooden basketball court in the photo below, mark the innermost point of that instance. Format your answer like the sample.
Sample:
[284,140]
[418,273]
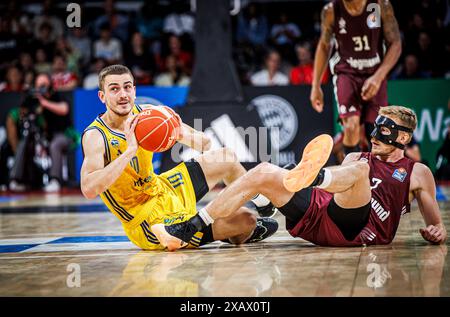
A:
[64,245]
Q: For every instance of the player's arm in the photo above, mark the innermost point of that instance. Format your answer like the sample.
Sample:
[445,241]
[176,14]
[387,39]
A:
[194,139]
[393,41]
[424,190]
[95,177]
[321,56]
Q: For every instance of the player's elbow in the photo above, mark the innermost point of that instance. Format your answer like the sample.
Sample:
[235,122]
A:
[88,192]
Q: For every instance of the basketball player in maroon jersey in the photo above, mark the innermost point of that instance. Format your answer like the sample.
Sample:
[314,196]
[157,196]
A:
[359,29]
[357,203]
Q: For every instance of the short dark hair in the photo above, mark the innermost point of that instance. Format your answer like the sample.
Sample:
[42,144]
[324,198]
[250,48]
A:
[112,70]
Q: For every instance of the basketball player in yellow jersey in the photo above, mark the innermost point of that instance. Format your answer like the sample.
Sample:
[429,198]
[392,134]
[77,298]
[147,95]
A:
[121,172]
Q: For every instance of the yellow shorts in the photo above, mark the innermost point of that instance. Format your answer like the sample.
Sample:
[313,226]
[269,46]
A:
[177,204]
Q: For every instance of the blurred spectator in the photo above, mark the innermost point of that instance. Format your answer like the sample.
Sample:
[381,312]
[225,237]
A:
[139,60]
[81,44]
[180,21]
[9,44]
[283,35]
[424,53]
[271,75]
[42,64]
[44,41]
[62,79]
[182,57]
[149,21]
[14,80]
[25,62]
[107,47]
[252,26]
[71,56]
[48,16]
[409,69]
[174,75]
[415,26]
[20,22]
[303,73]
[56,112]
[91,80]
[118,23]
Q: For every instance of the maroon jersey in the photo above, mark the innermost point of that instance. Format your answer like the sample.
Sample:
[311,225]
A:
[390,200]
[358,47]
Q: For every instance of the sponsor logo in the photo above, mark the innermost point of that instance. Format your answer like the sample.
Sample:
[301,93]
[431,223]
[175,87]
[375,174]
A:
[400,174]
[169,221]
[352,109]
[277,112]
[114,142]
[364,63]
[379,210]
[142,181]
[343,109]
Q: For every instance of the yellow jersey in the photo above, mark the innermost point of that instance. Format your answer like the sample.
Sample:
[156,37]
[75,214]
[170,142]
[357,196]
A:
[141,198]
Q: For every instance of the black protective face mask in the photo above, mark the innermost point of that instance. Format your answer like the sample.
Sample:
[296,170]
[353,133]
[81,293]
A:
[390,133]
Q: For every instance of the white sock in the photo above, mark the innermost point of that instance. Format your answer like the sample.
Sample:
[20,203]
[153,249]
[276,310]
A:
[260,200]
[327,178]
[207,219]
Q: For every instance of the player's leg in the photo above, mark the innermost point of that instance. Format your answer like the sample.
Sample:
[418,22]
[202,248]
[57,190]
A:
[223,165]
[220,165]
[267,179]
[351,134]
[350,207]
[347,93]
[242,226]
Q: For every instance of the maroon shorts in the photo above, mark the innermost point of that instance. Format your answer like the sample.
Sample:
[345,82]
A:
[347,89]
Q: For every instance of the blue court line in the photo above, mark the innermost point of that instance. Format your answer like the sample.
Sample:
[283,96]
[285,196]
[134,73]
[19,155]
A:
[90,239]
[47,209]
[16,248]
[6,199]
[440,196]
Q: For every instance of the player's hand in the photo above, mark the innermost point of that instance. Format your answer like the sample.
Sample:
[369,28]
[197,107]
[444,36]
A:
[317,98]
[370,87]
[434,234]
[178,118]
[130,126]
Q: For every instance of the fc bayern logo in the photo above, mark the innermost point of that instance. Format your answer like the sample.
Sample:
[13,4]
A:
[277,112]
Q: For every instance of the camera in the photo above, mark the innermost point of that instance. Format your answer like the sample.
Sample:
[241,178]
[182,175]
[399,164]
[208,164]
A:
[31,102]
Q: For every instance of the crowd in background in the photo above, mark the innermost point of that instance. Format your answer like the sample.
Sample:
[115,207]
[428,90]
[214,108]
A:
[273,42]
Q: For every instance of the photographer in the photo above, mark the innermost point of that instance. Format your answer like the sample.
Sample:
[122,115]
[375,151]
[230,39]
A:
[56,113]
[24,128]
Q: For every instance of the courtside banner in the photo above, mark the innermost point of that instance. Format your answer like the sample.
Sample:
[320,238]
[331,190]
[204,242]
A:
[430,100]
[87,106]
[234,126]
[288,110]
[274,124]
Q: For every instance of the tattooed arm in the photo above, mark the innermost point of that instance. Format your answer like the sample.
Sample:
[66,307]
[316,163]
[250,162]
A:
[321,57]
[392,38]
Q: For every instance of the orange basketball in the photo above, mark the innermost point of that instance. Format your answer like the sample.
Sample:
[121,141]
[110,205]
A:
[157,129]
